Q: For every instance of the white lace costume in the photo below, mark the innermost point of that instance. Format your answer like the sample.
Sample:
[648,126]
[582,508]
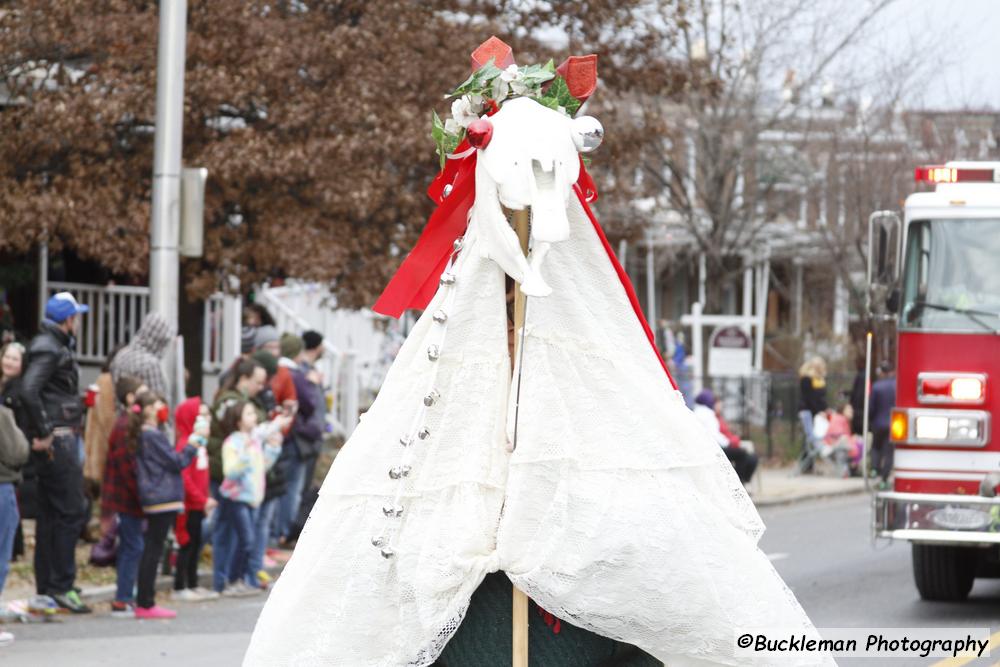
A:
[616,511]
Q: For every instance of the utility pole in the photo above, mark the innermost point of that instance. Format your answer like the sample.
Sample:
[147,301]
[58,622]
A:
[164,260]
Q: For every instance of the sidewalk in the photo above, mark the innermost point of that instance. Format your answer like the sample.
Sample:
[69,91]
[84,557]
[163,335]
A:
[782,486]
[97,583]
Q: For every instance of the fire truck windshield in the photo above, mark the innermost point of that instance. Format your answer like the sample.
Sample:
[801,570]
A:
[951,279]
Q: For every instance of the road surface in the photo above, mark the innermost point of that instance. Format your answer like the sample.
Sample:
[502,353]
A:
[821,548]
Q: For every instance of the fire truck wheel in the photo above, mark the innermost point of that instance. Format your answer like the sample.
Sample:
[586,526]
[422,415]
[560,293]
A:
[944,573]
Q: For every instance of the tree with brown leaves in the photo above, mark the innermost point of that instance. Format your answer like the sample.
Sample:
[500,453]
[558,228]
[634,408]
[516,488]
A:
[312,118]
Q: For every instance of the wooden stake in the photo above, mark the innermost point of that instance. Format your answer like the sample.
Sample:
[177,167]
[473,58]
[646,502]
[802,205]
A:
[520,221]
[519,643]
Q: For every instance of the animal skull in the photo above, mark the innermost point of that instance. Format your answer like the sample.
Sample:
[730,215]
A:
[531,160]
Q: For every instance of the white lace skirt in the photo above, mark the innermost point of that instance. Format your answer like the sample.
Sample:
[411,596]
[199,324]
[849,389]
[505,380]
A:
[616,512]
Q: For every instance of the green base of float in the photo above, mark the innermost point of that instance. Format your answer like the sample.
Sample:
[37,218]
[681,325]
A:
[484,638]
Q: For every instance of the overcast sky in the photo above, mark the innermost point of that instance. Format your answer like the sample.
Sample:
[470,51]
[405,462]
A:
[969,54]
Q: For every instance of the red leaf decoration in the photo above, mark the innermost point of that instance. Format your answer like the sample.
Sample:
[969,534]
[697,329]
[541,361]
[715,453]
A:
[496,49]
[580,73]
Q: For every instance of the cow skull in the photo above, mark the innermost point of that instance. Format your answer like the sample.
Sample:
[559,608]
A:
[531,161]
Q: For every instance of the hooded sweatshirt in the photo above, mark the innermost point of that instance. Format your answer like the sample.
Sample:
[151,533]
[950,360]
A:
[142,357]
[196,475]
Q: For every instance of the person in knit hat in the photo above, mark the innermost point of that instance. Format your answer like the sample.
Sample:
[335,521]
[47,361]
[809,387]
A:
[708,411]
[143,356]
[247,337]
[290,345]
[302,445]
[266,338]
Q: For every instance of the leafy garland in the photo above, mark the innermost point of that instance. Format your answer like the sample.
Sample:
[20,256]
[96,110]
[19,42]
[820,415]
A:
[487,88]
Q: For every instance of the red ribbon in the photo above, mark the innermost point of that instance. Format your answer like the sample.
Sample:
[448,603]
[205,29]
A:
[416,281]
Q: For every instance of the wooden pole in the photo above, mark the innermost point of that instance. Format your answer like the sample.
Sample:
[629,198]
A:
[519,643]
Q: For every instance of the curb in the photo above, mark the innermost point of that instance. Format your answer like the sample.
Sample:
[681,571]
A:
[106,593]
[790,500]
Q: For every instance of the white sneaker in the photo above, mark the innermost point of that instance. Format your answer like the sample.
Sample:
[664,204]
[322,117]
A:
[231,591]
[6,638]
[185,595]
[204,593]
[250,590]
[239,590]
[128,611]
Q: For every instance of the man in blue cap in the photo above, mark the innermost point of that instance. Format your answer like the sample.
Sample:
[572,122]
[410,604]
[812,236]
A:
[50,393]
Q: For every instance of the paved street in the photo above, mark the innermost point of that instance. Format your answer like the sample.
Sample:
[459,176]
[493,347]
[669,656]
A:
[823,551]
[203,635]
[821,548]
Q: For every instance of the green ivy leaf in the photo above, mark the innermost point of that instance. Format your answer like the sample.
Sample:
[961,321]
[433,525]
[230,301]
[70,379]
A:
[559,93]
[446,142]
[478,81]
[549,102]
[537,74]
[451,142]
[438,134]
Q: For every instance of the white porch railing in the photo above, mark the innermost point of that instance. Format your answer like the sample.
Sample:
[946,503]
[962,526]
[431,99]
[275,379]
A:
[300,307]
[220,337]
[117,311]
[359,347]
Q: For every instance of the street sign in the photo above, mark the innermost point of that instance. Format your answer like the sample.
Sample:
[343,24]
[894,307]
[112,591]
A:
[730,352]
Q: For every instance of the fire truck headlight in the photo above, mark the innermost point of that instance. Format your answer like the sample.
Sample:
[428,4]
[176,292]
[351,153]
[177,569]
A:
[931,427]
[952,428]
[963,428]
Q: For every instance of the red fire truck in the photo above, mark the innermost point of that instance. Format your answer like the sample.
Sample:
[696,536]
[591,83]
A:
[944,426]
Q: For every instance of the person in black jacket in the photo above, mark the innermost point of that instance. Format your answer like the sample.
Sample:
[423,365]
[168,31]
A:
[53,410]
[812,401]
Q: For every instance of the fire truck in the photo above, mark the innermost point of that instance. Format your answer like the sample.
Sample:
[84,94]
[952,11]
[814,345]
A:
[944,294]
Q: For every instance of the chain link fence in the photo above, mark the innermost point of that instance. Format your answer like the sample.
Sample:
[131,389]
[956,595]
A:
[764,408]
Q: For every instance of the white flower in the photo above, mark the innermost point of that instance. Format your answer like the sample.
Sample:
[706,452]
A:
[451,126]
[462,111]
[511,73]
[500,89]
[514,78]
[519,87]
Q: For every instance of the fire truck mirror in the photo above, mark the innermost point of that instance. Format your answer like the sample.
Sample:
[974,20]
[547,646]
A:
[886,264]
[884,232]
[892,301]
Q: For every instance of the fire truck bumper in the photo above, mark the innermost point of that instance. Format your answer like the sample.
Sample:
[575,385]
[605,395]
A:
[936,518]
